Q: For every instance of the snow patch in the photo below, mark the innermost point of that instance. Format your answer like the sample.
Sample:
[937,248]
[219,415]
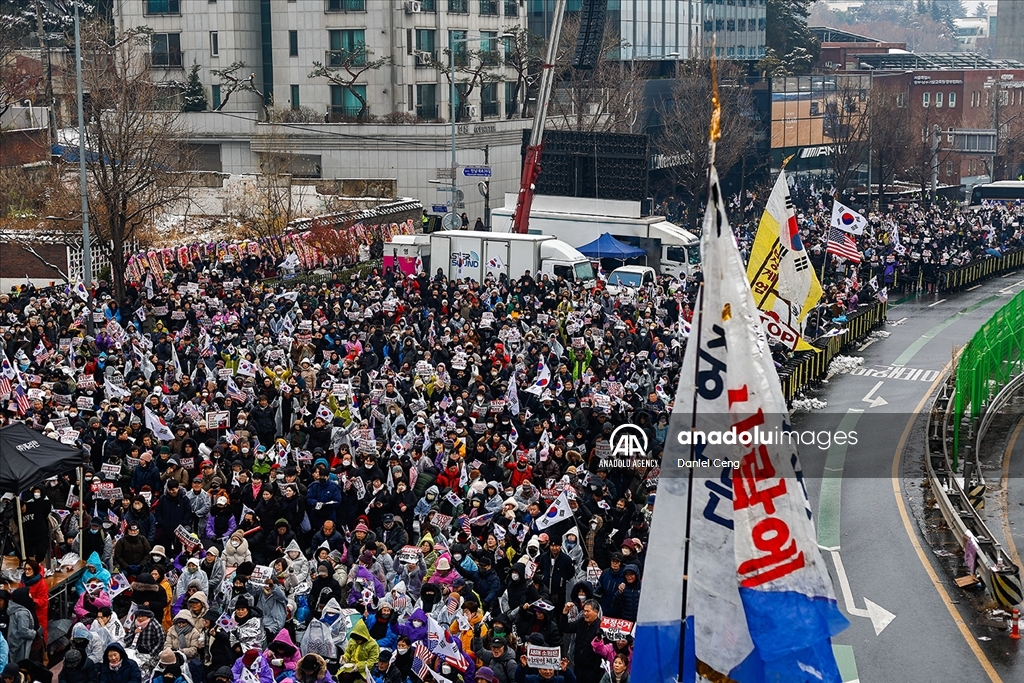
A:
[879,335]
[806,405]
[844,364]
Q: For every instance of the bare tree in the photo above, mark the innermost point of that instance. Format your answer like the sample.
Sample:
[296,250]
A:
[686,123]
[345,67]
[234,77]
[891,133]
[472,69]
[920,140]
[136,144]
[845,126]
[523,55]
[607,98]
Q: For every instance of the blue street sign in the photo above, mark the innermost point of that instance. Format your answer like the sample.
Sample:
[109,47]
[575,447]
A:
[477,171]
[439,208]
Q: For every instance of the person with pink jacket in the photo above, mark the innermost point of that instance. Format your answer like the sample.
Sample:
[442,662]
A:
[282,655]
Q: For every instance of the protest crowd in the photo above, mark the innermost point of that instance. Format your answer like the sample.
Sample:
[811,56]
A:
[389,478]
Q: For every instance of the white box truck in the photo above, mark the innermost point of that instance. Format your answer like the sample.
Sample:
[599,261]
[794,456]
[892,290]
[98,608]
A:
[671,250]
[473,255]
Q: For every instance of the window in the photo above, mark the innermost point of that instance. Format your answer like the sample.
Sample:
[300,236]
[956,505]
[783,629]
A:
[511,8]
[938,100]
[293,43]
[489,105]
[165,50]
[926,99]
[950,137]
[457,44]
[163,7]
[709,25]
[730,25]
[489,8]
[458,6]
[719,24]
[347,102]
[952,100]
[426,101]
[295,97]
[346,6]
[760,23]
[741,24]
[1003,98]
[489,54]
[901,99]
[214,44]
[730,51]
[348,47]
[216,96]
[510,98]
[426,42]
[741,51]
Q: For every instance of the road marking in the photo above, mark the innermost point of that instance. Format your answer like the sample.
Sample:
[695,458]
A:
[867,344]
[895,372]
[1011,547]
[846,663]
[971,289]
[832,486]
[879,616]
[875,401]
[901,321]
[919,343]
[1009,288]
[925,562]
[937,302]
[1007,274]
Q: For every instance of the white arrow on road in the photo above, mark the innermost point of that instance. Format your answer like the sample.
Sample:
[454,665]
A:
[879,616]
[877,400]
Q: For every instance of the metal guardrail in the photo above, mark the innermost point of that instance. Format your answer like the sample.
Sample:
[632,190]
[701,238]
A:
[959,278]
[996,405]
[992,565]
[808,367]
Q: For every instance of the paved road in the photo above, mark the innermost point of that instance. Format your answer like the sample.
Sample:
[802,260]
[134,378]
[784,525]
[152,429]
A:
[887,547]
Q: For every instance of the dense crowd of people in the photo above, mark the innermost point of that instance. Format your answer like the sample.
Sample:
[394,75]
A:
[392,479]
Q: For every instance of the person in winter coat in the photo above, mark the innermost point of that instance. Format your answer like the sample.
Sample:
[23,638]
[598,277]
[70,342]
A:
[360,654]
[563,675]
[392,533]
[236,550]
[362,579]
[619,672]
[611,650]
[379,625]
[148,594]
[22,626]
[485,581]
[500,659]
[249,633]
[415,629]
[444,574]
[385,670]
[256,665]
[132,551]
[282,655]
[608,584]
[313,669]
[94,569]
[474,620]
[279,539]
[172,510]
[221,523]
[323,497]
[556,570]
[324,588]
[627,594]
[184,636]
[271,602]
[77,668]
[92,599]
[146,635]
[191,573]
[117,667]
[32,578]
[587,627]
[213,567]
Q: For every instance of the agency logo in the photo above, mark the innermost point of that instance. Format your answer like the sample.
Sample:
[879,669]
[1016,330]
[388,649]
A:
[628,441]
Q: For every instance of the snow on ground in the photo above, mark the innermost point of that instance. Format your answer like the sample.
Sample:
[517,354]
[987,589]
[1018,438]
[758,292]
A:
[843,364]
[806,405]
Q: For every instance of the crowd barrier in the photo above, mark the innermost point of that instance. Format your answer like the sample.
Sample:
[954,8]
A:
[958,278]
[807,367]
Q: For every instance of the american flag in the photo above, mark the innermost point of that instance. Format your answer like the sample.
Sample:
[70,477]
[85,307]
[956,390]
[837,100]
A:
[464,522]
[5,386]
[21,398]
[421,656]
[235,393]
[843,245]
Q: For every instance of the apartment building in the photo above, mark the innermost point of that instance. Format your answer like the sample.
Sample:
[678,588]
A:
[279,41]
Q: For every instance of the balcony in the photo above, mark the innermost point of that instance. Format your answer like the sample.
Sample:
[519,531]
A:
[345,6]
[458,6]
[427,112]
[172,59]
[158,7]
[339,114]
[336,59]
[489,8]
[490,110]
[511,8]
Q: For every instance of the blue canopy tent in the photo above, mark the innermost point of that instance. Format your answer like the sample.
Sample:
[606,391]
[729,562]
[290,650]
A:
[607,246]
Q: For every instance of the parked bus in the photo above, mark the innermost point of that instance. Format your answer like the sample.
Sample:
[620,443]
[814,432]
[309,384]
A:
[1001,191]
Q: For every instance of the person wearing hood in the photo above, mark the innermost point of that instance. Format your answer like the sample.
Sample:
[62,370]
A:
[94,539]
[519,592]
[571,546]
[91,641]
[312,668]
[92,598]
[427,502]
[411,575]
[360,654]
[117,667]
[362,579]
[217,650]
[213,567]
[280,538]
[191,573]
[379,624]
[249,633]
[323,496]
[220,674]
[94,569]
[324,588]
[255,664]
[22,626]
[78,668]
[183,635]
[415,629]
[444,574]
[298,565]
[282,655]
[492,497]
[236,550]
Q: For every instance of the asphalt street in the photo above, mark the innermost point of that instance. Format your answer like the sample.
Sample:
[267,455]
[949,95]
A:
[909,621]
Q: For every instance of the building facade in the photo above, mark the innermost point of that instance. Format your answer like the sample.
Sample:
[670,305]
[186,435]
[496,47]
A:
[279,41]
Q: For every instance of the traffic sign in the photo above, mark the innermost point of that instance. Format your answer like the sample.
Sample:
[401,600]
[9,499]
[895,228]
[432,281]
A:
[439,208]
[451,222]
[477,171]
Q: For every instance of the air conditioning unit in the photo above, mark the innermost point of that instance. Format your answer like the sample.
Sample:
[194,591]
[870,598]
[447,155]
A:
[413,7]
[471,111]
[423,58]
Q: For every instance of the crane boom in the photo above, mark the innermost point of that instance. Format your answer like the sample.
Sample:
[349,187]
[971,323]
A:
[531,163]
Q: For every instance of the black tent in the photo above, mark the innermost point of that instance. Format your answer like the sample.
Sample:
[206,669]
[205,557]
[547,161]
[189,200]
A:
[27,458]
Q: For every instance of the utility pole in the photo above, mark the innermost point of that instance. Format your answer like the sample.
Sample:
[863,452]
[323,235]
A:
[82,181]
[935,161]
[44,48]
[487,190]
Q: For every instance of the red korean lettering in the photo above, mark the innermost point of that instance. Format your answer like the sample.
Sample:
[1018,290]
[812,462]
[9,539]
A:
[771,535]
[751,483]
